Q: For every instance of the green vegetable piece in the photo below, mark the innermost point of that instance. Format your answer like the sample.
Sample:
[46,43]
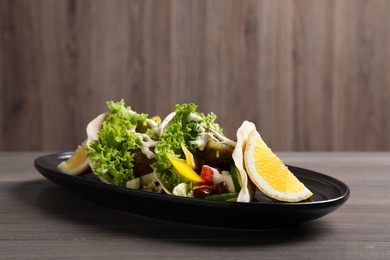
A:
[223,196]
[181,190]
[236,177]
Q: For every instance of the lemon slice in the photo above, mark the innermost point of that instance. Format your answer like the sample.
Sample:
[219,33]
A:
[77,163]
[270,174]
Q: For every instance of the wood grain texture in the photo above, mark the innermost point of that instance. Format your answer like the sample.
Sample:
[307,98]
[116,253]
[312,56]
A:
[312,75]
[39,220]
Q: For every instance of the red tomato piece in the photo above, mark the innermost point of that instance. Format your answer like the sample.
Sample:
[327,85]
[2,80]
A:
[207,174]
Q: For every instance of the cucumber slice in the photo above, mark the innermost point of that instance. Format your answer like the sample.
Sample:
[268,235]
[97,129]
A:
[236,177]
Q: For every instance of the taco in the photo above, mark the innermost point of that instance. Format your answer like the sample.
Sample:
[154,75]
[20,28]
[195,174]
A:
[120,147]
[195,159]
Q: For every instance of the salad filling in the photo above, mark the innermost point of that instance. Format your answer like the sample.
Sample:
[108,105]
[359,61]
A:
[186,154]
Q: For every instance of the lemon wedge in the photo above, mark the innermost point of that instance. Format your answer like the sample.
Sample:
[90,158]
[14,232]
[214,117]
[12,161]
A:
[77,163]
[270,174]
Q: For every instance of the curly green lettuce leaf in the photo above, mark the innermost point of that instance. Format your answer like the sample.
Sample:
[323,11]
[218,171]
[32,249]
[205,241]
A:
[112,154]
[185,127]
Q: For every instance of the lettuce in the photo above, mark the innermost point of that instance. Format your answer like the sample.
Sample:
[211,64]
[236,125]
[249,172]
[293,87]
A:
[180,130]
[112,155]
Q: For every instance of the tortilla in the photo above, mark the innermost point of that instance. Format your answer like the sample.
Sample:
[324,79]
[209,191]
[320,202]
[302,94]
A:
[247,189]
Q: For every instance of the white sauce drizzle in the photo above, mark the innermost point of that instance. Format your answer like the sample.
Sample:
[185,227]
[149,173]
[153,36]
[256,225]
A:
[154,126]
[192,117]
[223,139]
[203,138]
[147,143]
[201,141]
[145,140]
[131,129]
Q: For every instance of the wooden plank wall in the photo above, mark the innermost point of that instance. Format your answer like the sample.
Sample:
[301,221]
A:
[312,75]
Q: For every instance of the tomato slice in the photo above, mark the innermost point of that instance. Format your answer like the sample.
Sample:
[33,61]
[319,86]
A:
[207,174]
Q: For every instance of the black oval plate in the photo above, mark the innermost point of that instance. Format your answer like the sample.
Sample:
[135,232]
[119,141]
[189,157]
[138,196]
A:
[329,194]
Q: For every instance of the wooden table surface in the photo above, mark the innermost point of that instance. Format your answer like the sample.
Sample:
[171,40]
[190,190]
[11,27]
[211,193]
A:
[40,220]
